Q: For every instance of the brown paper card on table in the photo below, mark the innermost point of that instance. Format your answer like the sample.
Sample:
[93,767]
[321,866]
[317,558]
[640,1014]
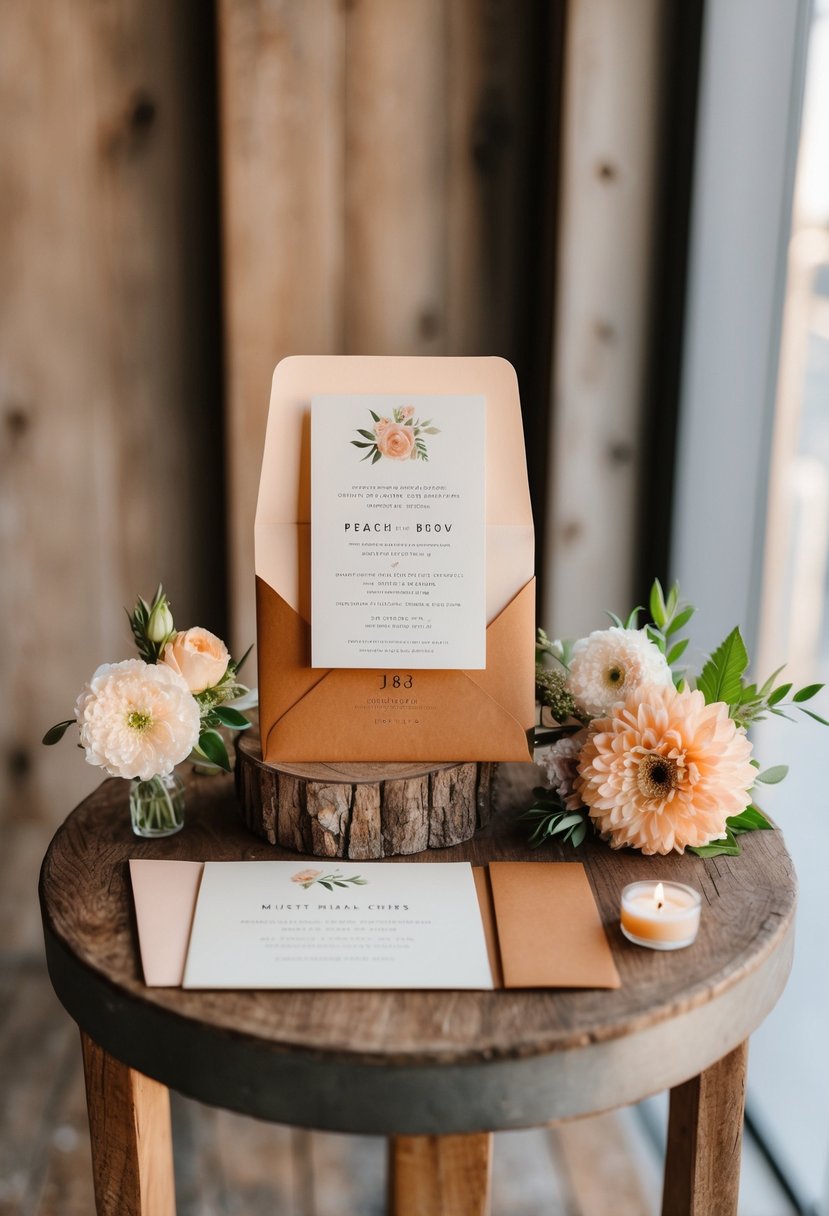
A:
[550,933]
[325,714]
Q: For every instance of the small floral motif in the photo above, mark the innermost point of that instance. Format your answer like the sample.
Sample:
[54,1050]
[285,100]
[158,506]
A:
[307,878]
[397,438]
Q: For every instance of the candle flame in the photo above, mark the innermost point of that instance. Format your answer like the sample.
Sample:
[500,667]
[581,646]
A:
[659,896]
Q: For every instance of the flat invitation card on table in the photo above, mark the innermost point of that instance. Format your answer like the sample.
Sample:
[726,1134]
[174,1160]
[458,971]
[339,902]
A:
[372,925]
[398,531]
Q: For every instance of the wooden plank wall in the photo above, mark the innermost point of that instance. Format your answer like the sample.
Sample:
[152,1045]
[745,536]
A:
[378,175]
[386,186]
[614,55]
[109,396]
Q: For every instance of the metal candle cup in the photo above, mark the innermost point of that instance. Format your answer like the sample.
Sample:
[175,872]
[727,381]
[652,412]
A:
[661,916]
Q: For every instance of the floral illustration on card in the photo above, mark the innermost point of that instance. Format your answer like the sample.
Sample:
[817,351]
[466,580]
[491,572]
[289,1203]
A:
[307,878]
[399,437]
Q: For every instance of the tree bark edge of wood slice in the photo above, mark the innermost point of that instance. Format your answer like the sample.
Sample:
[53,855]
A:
[361,811]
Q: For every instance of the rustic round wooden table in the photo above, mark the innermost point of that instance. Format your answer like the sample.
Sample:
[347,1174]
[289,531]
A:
[437,1072]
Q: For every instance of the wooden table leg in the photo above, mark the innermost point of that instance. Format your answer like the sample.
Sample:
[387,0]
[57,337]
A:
[132,1144]
[705,1131]
[446,1174]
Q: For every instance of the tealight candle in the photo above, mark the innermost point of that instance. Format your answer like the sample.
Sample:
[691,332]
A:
[663,916]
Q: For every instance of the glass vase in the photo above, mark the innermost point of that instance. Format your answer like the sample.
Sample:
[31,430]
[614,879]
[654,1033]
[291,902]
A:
[157,805]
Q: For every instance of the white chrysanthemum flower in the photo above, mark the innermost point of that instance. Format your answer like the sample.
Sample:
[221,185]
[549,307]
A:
[560,761]
[137,719]
[610,664]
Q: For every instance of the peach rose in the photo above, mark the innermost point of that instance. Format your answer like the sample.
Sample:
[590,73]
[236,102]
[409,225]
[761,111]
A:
[306,877]
[397,442]
[381,425]
[199,656]
[407,411]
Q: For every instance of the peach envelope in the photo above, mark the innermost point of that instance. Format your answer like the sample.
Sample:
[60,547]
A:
[346,714]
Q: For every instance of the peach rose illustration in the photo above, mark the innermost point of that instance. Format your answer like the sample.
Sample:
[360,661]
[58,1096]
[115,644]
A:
[397,442]
[199,656]
[305,876]
[400,437]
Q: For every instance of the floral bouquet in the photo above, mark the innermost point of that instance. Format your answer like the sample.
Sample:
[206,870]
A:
[141,717]
[639,750]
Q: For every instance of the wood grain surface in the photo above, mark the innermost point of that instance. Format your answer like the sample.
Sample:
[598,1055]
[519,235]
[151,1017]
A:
[705,1135]
[692,1003]
[361,811]
[429,1174]
[131,1137]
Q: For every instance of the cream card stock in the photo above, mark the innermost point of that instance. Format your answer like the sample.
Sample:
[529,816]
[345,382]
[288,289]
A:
[398,531]
[288,924]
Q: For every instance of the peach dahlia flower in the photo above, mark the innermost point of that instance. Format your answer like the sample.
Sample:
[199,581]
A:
[665,771]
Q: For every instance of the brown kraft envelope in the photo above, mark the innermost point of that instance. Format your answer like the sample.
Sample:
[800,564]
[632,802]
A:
[344,714]
[548,927]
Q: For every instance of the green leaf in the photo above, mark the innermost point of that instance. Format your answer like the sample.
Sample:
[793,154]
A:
[578,834]
[807,693]
[325,884]
[366,434]
[773,775]
[231,717]
[721,677]
[656,637]
[672,601]
[376,457]
[213,746]
[376,417]
[778,694]
[633,617]
[750,820]
[358,443]
[656,604]
[56,733]
[676,652]
[681,618]
[718,848]
[616,620]
[769,684]
[431,430]
[811,714]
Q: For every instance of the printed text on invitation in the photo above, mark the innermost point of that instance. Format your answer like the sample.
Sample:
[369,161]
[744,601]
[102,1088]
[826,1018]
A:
[398,536]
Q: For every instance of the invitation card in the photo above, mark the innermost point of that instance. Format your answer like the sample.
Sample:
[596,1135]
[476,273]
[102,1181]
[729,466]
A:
[337,924]
[398,531]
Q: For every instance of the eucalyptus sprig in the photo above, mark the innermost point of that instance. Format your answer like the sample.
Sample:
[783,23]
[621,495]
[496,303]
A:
[552,818]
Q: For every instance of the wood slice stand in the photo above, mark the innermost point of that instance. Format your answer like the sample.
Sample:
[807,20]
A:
[361,811]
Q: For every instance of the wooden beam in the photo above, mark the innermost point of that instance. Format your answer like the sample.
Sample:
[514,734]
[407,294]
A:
[132,1146]
[705,1132]
[608,178]
[430,1174]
